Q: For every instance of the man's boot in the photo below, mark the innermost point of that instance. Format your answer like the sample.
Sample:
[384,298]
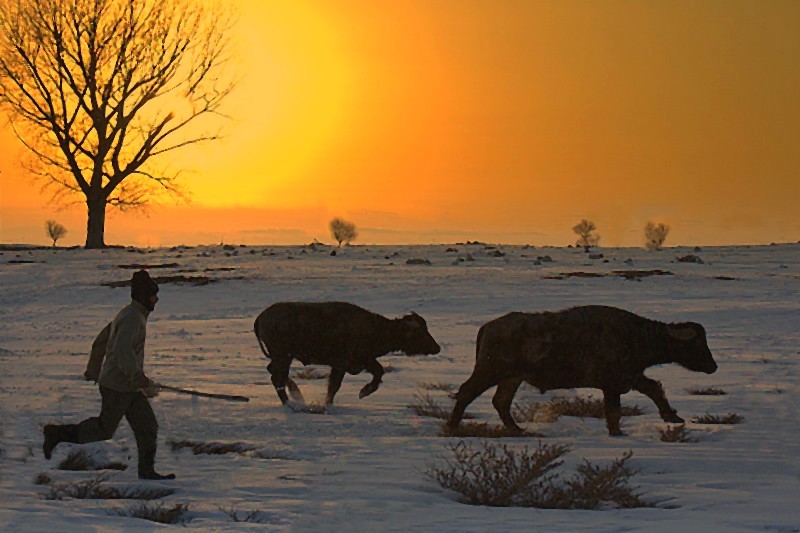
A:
[54,434]
[147,467]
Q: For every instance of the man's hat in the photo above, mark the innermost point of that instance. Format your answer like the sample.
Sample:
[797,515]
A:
[142,286]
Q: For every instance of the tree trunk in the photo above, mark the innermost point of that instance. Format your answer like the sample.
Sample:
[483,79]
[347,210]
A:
[96,223]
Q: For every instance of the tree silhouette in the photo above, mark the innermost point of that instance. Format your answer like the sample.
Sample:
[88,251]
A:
[55,230]
[586,238]
[655,235]
[98,89]
[343,231]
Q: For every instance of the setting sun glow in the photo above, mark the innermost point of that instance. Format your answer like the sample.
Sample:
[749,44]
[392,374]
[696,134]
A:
[500,121]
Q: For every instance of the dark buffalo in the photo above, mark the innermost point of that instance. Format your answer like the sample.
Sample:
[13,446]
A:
[341,335]
[591,346]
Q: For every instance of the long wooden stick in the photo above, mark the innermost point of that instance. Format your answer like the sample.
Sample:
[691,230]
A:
[229,397]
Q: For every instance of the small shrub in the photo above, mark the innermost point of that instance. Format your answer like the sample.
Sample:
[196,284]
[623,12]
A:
[313,408]
[93,489]
[498,476]
[676,434]
[157,512]
[483,429]
[427,406]
[440,386]
[730,418]
[708,391]
[79,460]
[495,475]
[211,448]
[255,516]
[594,486]
[655,235]
[559,406]
[343,231]
[42,479]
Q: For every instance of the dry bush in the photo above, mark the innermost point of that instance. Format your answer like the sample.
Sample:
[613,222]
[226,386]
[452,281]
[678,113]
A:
[498,476]
[655,235]
[343,231]
[79,460]
[255,516]
[483,429]
[93,489]
[730,418]
[676,434]
[157,512]
[585,230]
[558,406]
[313,408]
[425,405]
[42,479]
[708,391]
[211,448]
[440,386]
[594,486]
[310,373]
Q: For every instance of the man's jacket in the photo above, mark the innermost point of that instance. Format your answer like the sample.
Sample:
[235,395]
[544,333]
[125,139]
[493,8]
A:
[117,358]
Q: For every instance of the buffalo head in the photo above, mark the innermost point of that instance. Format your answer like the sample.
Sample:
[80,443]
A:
[690,348]
[415,337]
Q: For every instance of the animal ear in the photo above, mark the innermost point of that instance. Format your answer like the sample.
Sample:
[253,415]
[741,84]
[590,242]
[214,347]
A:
[412,319]
[682,334]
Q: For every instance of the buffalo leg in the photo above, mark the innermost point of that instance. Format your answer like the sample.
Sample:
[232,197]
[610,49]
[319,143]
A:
[334,382]
[502,401]
[653,390]
[471,389]
[279,373]
[613,411]
[377,371]
[294,390]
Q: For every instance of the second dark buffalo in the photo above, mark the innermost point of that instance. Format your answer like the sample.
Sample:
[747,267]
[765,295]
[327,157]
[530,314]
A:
[341,335]
[590,346]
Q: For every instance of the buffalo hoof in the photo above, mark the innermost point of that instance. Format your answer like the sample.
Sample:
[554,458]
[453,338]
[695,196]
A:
[368,389]
[616,433]
[672,417]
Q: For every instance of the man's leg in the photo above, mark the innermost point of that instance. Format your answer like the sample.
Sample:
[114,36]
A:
[101,427]
[143,421]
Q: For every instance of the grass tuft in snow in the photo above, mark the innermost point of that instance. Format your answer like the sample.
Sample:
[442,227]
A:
[558,406]
[157,512]
[93,489]
[255,516]
[708,391]
[425,405]
[211,448]
[498,476]
[79,460]
[677,434]
[730,418]
[42,479]
[440,386]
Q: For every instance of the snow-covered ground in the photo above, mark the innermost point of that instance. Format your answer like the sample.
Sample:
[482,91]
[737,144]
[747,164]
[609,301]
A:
[361,466]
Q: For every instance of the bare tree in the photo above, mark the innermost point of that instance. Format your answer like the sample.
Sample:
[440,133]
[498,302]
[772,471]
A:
[98,89]
[343,231]
[655,235]
[55,230]
[586,237]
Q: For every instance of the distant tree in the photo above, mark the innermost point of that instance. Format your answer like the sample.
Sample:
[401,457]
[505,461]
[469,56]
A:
[655,235]
[586,236]
[97,90]
[55,230]
[343,231]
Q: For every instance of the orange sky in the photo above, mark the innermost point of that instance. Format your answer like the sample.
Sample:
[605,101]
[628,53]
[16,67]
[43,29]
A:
[440,121]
